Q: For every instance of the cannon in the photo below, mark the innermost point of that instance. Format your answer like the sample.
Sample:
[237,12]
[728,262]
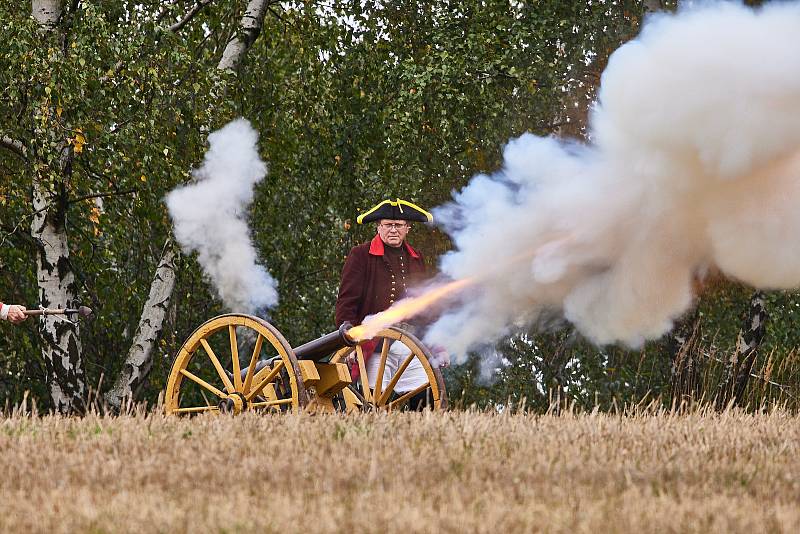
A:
[208,374]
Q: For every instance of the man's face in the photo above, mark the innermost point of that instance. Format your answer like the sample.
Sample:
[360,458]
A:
[393,232]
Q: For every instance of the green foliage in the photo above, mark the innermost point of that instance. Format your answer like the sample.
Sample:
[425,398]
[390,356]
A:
[542,369]
[354,102]
[135,102]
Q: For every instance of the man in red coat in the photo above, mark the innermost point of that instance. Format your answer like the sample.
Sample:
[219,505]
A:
[378,273]
[12,312]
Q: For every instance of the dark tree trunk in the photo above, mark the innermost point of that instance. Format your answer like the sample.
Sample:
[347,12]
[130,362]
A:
[740,364]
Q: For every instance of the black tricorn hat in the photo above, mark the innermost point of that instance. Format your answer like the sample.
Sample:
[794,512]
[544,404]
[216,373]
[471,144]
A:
[395,210]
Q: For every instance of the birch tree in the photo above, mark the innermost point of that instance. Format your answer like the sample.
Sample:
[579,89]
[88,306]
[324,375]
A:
[139,360]
[52,174]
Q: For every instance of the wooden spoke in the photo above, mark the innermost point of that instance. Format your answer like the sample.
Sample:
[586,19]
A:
[182,395]
[237,370]
[268,377]
[362,368]
[197,409]
[265,371]
[220,371]
[393,382]
[202,383]
[251,368]
[400,401]
[381,367]
[267,404]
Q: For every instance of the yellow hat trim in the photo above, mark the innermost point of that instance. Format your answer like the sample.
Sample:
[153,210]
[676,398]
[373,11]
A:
[399,203]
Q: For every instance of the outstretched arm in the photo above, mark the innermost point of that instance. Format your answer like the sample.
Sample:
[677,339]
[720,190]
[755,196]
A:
[12,312]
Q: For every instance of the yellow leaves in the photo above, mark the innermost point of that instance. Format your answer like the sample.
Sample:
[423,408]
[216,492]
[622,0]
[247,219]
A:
[94,217]
[78,141]
[143,178]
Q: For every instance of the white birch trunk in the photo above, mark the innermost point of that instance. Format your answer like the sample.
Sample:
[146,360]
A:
[47,13]
[14,145]
[249,28]
[140,356]
[61,345]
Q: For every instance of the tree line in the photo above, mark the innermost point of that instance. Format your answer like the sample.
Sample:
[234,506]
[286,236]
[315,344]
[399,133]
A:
[106,107]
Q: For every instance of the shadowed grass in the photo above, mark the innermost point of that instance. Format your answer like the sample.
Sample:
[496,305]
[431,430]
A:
[456,472]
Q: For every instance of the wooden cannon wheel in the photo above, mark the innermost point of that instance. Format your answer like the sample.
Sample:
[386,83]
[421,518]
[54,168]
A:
[381,397]
[206,373]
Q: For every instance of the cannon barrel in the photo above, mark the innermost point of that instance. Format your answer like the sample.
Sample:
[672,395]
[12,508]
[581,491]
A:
[313,350]
[325,345]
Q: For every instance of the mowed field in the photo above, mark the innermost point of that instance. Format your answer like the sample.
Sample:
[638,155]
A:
[429,472]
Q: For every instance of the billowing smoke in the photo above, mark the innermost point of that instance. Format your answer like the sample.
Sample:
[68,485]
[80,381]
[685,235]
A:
[693,163]
[210,218]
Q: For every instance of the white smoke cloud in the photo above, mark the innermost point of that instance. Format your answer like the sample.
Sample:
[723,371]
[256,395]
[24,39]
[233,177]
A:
[210,218]
[694,162]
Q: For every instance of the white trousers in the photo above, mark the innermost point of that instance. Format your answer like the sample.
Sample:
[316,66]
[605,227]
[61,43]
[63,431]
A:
[413,377]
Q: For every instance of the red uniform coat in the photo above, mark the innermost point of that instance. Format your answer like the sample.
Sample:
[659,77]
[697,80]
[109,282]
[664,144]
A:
[369,282]
[372,281]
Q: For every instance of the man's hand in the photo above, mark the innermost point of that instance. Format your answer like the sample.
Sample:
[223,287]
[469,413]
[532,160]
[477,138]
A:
[16,313]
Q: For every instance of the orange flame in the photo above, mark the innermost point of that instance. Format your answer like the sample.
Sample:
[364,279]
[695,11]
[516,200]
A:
[404,309]
[410,307]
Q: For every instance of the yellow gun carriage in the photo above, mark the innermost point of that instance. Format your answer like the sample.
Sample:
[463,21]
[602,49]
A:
[207,374]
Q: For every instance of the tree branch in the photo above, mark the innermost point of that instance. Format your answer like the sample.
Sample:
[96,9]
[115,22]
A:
[249,28]
[280,17]
[497,74]
[164,11]
[15,146]
[102,195]
[174,28]
[190,15]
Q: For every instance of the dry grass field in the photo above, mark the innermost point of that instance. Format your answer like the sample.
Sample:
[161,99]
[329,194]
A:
[430,472]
